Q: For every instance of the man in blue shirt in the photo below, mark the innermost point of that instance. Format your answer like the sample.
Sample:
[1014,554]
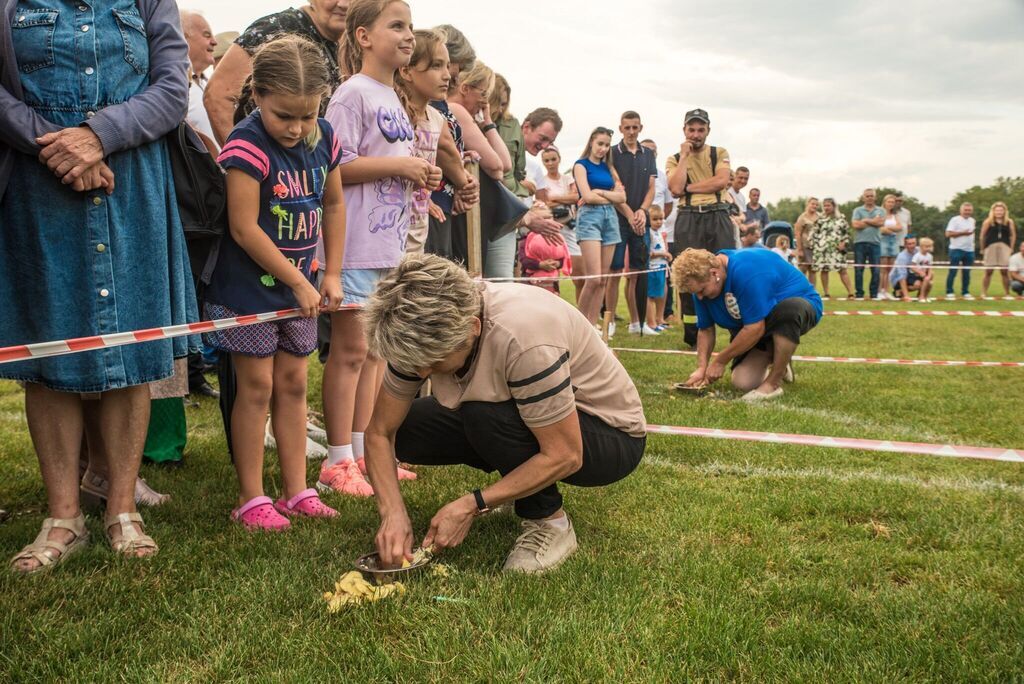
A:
[907,278]
[867,243]
[765,303]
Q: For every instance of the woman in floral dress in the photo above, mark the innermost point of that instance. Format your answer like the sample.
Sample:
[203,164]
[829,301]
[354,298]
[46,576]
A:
[828,246]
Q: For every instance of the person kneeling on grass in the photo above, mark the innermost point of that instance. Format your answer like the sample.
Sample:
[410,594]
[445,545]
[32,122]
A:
[766,305]
[907,278]
[521,385]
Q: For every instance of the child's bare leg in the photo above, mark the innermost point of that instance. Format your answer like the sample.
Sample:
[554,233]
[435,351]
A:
[255,383]
[289,417]
[341,375]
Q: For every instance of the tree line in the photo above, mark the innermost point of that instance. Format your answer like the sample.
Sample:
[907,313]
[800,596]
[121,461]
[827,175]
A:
[928,221]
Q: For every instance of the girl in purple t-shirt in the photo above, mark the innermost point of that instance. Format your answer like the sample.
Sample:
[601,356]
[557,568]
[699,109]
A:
[379,172]
[284,194]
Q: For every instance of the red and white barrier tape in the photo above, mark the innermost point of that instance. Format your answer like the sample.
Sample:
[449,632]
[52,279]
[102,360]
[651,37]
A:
[853,359]
[989,314]
[81,344]
[945,266]
[946,450]
[525,279]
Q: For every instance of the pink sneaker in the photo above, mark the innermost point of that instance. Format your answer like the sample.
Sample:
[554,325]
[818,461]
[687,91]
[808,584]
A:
[258,514]
[403,474]
[305,504]
[343,478]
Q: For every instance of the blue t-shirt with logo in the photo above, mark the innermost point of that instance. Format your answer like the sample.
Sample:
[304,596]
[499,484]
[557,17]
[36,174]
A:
[599,176]
[756,280]
[292,182]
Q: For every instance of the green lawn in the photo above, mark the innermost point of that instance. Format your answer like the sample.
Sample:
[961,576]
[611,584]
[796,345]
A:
[715,560]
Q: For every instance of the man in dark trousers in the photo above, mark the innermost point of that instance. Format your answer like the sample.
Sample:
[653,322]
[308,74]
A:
[699,175]
[637,167]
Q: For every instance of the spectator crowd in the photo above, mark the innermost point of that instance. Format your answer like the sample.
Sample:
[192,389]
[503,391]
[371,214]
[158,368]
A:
[330,141]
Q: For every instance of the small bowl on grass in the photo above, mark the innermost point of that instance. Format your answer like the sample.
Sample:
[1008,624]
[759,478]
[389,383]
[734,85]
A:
[370,565]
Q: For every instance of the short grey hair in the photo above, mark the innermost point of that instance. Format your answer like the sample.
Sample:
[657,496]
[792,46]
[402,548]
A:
[459,49]
[421,312]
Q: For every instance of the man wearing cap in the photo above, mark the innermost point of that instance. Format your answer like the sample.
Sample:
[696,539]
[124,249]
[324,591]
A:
[699,175]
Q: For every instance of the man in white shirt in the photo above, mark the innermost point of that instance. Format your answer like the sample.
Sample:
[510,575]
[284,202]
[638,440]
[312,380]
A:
[1017,272]
[201,44]
[960,232]
[740,178]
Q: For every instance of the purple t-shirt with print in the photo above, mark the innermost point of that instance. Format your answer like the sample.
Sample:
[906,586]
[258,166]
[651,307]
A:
[292,182]
[370,122]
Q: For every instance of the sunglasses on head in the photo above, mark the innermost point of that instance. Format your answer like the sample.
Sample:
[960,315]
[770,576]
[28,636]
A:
[603,131]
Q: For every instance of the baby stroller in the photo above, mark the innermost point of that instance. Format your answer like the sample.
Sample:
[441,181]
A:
[772,232]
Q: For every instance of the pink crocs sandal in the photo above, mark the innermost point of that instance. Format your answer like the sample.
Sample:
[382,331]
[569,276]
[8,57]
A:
[305,504]
[258,514]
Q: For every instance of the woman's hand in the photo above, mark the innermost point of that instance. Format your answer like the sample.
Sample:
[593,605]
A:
[470,191]
[308,299]
[549,264]
[436,212]
[394,540]
[95,177]
[331,294]
[485,110]
[69,153]
[696,378]
[451,524]
[714,372]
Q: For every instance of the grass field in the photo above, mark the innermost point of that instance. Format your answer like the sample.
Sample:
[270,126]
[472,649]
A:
[714,561]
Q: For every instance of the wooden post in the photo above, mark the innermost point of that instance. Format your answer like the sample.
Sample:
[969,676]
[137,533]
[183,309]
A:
[474,240]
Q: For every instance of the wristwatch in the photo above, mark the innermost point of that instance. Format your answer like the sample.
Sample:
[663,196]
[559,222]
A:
[481,505]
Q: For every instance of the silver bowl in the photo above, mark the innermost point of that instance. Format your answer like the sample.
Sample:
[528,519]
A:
[370,565]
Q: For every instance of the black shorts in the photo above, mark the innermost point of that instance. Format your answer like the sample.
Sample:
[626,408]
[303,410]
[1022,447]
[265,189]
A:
[791,318]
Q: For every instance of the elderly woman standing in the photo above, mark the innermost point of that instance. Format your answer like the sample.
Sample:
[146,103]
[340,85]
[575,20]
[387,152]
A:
[90,239]
[764,303]
[521,385]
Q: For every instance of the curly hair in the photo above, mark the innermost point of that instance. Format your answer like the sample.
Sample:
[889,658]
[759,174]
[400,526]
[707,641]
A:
[692,267]
[421,312]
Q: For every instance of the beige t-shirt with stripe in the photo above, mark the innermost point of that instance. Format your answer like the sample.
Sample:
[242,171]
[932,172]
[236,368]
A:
[538,350]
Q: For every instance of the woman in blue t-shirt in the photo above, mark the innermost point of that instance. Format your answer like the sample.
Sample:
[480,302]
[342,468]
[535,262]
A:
[597,227]
[764,302]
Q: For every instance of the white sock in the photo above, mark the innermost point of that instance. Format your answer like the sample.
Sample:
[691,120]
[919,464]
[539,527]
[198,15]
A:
[561,523]
[358,449]
[339,454]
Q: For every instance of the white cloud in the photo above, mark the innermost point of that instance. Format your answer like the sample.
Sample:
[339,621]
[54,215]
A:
[815,97]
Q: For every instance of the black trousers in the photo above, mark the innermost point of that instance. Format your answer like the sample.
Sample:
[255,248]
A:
[790,318]
[713,231]
[493,437]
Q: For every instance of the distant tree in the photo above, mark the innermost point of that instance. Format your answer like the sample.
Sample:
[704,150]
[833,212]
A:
[787,209]
[1009,190]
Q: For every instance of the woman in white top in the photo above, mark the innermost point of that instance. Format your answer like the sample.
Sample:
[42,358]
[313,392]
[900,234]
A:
[558,191]
[890,235]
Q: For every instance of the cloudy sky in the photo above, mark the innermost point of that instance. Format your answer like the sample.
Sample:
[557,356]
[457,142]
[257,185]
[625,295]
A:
[816,97]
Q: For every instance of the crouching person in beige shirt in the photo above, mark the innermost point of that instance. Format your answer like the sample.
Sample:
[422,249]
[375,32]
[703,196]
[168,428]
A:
[521,385]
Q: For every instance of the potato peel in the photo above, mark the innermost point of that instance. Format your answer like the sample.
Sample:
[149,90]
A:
[353,589]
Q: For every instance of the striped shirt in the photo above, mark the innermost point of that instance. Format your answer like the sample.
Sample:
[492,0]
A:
[540,352]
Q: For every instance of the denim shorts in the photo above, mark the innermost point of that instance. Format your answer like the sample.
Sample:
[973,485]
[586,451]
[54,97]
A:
[598,222]
[296,336]
[359,283]
[890,245]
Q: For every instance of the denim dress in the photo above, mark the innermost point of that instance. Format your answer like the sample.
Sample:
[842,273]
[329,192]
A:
[75,264]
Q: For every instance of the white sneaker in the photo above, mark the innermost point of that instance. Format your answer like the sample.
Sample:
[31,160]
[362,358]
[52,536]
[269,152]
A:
[542,546]
[878,298]
[316,433]
[611,330]
[969,297]
[648,330]
[634,328]
[951,296]
[314,451]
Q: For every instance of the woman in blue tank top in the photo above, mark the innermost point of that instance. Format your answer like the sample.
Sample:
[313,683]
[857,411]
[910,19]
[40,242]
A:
[597,227]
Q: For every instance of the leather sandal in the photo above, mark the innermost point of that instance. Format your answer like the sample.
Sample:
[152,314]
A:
[128,541]
[50,553]
[93,492]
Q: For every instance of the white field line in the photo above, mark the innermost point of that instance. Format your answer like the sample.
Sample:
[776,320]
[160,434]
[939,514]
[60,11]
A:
[716,469]
[910,433]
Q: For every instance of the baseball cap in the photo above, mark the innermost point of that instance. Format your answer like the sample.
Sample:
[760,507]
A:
[699,115]
[224,41]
